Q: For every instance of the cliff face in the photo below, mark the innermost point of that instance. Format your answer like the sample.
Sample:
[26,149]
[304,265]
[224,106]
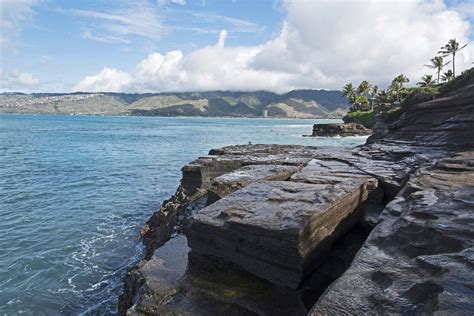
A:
[279,230]
[445,123]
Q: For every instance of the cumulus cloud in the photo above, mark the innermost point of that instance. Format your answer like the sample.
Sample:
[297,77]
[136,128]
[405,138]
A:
[322,44]
[107,79]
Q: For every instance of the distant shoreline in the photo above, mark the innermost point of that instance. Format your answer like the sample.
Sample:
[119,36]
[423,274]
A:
[171,116]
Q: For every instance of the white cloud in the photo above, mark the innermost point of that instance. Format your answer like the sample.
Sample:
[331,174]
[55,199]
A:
[322,44]
[108,79]
[139,19]
[163,2]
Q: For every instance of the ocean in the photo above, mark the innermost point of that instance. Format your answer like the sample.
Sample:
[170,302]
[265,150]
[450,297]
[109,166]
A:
[75,190]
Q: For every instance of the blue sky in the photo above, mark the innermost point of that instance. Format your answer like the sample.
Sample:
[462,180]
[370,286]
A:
[52,45]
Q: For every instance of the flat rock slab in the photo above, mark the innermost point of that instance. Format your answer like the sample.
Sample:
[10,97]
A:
[319,171]
[197,175]
[276,229]
[231,182]
[419,259]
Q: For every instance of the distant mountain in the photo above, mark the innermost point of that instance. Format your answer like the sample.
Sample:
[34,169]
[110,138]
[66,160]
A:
[294,104]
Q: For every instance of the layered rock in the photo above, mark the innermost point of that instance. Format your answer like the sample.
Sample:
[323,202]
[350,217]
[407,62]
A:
[341,129]
[445,123]
[276,229]
[233,181]
[419,258]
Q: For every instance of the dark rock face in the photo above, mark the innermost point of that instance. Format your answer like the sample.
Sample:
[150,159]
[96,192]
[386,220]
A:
[419,258]
[346,129]
[445,123]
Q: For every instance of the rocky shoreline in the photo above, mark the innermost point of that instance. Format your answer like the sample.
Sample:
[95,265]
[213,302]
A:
[386,227]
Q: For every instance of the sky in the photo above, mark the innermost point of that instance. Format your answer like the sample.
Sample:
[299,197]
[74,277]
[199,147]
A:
[245,45]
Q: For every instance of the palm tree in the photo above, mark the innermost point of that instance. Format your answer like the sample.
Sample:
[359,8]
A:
[364,88]
[397,87]
[438,64]
[447,76]
[451,49]
[401,79]
[350,92]
[426,81]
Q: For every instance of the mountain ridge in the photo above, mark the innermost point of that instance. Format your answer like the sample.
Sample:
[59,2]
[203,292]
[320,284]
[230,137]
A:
[293,104]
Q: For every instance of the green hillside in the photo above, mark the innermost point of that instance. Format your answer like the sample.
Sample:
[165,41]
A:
[295,104]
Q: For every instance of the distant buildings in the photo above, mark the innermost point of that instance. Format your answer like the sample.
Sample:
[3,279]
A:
[265,113]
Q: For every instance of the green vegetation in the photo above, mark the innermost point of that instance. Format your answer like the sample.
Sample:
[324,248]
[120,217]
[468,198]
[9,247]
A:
[366,118]
[426,81]
[451,49]
[437,63]
[366,100]
[457,82]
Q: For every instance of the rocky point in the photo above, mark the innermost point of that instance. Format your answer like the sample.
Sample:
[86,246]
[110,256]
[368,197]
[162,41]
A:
[387,227]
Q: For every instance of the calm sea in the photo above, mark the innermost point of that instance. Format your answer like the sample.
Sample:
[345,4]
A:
[74,191]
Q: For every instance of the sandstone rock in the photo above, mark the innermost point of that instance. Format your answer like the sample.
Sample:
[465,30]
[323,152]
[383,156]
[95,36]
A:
[277,229]
[340,129]
[419,258]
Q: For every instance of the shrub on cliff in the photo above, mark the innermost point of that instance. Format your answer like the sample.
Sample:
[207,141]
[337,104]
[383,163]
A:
[366,118]
[419,95]
[457,82]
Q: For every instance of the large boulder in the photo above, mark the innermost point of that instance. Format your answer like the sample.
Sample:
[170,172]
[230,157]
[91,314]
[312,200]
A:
[277,230]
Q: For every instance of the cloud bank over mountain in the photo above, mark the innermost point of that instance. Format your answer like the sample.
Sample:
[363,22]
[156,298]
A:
[322,44]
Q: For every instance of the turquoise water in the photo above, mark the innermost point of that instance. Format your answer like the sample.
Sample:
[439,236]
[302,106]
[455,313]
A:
[74,191]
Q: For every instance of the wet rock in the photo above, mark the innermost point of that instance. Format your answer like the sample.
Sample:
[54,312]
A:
[276,230]
[171,285]
[340,129]
[419,258]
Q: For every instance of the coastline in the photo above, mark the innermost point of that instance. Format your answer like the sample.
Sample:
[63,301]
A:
[177,116]
[395,161]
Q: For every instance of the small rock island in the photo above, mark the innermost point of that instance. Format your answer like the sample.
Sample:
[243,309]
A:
[340,129]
